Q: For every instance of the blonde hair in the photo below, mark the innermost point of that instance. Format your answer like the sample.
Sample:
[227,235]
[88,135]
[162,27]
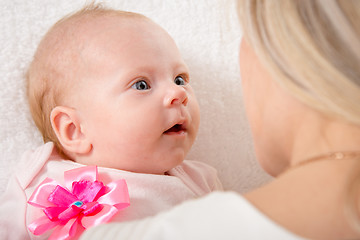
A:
[312,48]
[54,69]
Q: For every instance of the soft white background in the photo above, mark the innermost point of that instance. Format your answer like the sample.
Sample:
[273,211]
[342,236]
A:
[208,35]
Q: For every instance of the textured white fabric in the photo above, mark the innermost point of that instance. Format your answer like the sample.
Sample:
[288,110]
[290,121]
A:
[149,193]
[208,35]
[217,216]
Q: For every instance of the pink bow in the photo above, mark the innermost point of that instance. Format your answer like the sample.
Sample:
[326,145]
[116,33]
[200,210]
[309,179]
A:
[88,203]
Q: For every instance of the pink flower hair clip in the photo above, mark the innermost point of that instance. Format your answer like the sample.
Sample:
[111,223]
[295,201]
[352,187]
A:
[84,202]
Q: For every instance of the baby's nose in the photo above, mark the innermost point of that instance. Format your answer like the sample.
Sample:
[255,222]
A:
[176,95]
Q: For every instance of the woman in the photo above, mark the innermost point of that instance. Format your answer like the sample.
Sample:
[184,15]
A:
[301,81]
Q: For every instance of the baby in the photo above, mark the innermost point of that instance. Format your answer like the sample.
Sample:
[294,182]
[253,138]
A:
[106,88]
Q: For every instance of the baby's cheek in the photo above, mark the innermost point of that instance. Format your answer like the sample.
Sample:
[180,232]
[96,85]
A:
[195,115]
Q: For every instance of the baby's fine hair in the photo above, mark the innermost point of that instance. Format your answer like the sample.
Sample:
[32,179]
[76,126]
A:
[54,68]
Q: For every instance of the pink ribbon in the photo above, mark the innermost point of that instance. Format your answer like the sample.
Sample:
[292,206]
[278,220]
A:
[88,203]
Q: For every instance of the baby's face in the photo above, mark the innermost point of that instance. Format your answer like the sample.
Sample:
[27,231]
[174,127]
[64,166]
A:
[135,102]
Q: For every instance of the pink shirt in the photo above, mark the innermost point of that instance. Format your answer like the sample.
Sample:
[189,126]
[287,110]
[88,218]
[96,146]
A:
[149,194]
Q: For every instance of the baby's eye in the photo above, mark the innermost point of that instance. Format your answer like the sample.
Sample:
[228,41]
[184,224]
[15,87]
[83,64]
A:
[141,85]
[179,80]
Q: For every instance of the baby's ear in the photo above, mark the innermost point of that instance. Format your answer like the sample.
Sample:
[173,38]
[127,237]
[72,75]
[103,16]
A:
[67,127]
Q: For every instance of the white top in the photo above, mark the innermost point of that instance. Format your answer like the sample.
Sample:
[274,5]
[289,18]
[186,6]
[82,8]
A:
[149,193]
[219,215]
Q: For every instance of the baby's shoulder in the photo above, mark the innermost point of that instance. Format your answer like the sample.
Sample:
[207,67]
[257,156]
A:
[196,167]
[199,173]
[31,162]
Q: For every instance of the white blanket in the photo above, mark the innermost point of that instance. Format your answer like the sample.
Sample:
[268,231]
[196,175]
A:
[208,35]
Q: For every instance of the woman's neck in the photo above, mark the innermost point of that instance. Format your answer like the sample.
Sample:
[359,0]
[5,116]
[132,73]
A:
[323,136]
[309,200]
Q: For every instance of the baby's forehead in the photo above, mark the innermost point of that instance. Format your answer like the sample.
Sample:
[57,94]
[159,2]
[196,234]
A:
[62,46]
[85,28]
[71,36]
[101,32]
[90,41]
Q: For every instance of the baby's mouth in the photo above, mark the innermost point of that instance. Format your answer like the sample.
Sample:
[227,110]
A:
[177,128]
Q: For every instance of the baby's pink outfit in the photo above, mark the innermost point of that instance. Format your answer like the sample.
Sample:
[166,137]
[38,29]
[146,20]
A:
[149,193]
